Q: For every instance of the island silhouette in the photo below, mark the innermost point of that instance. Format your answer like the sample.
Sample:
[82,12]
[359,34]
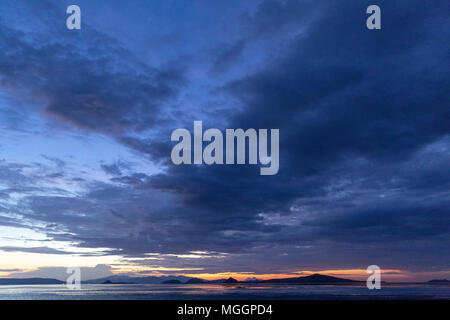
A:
[314,279]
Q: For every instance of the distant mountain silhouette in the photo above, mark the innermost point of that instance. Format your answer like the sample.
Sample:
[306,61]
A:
[216,281]
[439,281]
[27,281]
[172,282]
[111,282]
[231,280]
[141,280]
[195,281]
[312,279]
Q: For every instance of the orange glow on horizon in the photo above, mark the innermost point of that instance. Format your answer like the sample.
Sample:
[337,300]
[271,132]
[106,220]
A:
[354,274]
[390,275]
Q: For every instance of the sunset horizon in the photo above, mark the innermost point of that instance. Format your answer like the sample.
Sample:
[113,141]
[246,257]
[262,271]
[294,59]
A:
[59,273]
[254,140]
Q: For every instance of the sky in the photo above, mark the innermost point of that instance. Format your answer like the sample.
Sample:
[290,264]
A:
[86,116]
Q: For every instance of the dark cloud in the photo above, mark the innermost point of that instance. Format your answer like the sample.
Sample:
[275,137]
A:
[364,150]
[225,59]
[9,270]
[112,169]
[86,79]
[135,179]
[46,250]
[271,17]
[349,102]
[58,162]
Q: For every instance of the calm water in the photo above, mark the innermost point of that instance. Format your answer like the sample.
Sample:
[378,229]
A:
[219,291]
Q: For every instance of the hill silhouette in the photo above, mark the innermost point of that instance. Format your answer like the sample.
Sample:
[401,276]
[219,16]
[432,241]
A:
[312,279]
[174,281]
[231,280]
[116,282]
[27,281]
[195,281]
[439,281]
[141,280]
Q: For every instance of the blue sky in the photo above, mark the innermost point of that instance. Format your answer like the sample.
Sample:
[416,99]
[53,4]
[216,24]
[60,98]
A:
[86,116]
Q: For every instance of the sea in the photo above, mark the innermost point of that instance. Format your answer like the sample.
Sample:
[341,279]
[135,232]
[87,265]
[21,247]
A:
[223,292]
